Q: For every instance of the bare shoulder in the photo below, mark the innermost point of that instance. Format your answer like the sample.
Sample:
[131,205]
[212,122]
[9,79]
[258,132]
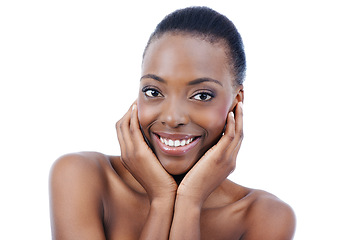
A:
[82,172]
[268,217]
[76,184]
[82,165]
[79,158]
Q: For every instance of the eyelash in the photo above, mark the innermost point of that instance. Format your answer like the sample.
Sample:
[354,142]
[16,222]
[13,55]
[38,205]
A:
[152,91]
[211,95]
[148,92]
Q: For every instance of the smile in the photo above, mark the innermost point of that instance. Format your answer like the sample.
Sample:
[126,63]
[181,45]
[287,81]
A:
[175,144]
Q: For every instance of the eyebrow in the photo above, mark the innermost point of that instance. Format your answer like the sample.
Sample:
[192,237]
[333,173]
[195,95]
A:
[193,82]
[205,79]
[153,76]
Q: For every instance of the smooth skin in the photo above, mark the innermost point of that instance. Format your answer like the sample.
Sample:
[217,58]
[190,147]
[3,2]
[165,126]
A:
[154,191]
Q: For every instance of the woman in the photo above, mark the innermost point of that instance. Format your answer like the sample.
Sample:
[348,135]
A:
[179,142]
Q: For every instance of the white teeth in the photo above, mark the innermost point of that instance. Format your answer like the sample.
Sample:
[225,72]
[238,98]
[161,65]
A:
[176,143]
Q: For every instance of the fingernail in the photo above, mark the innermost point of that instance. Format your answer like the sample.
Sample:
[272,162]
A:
[133,107]
[241,104]
[231,114]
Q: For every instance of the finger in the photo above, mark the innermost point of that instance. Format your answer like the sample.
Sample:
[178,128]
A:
[237,148]
[134,125]
[122,121]
[229,133]
[236,144]
[238,126]
[126,127]
[124,135]
[121,140]
[239,120]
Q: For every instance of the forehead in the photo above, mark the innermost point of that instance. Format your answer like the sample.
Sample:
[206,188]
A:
[186,56]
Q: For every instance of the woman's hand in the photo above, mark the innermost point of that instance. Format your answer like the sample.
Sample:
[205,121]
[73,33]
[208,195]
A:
[204,177]
[140,160]
[216,164]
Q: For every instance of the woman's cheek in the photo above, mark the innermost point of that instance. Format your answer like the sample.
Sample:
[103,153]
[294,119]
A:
[214,120]
[220,121]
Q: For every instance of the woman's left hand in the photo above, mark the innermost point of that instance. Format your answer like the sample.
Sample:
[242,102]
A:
[216,164]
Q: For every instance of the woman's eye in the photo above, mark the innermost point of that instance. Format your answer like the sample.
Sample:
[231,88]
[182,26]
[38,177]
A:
[203,96]
[152,93]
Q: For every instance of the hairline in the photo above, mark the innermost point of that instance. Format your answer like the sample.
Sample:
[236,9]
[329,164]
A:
[210,38]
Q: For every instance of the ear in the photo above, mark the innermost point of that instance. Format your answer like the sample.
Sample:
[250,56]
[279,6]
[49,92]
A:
[239,97]
[240,93]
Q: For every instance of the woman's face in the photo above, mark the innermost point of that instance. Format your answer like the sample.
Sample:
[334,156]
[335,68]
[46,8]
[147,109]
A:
[186,91]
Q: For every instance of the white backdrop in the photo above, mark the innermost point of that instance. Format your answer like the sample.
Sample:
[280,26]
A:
[70,69]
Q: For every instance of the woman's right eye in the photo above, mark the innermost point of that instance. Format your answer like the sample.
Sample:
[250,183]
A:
[152,93]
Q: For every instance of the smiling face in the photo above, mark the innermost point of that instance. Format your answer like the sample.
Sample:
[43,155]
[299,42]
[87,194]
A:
[186,91]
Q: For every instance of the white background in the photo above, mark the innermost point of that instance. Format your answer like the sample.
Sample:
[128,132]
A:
[70,69]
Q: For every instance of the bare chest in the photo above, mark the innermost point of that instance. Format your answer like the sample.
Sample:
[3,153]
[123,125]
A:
[126,215]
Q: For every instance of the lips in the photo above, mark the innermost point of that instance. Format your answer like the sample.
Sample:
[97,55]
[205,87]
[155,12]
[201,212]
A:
[175,144]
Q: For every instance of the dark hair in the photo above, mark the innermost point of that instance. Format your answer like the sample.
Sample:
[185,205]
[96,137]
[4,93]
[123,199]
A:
[209,25]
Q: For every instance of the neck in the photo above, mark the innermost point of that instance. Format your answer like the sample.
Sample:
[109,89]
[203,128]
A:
[178,178]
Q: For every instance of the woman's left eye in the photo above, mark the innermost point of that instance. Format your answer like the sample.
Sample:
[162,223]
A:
[203,96]
[153,93]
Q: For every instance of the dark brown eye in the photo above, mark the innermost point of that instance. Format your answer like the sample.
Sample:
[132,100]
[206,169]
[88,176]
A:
[152,93]
[203,96]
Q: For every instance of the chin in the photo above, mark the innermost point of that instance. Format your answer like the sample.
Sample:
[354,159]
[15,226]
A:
[177,165]
[179,159]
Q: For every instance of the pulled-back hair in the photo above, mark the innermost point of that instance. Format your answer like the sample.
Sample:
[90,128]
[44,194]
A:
[210,26]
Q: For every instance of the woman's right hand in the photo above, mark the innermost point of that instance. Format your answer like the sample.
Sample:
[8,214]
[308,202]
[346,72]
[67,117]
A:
[140,160]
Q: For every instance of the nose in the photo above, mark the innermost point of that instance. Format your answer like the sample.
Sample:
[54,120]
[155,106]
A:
[174,113]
